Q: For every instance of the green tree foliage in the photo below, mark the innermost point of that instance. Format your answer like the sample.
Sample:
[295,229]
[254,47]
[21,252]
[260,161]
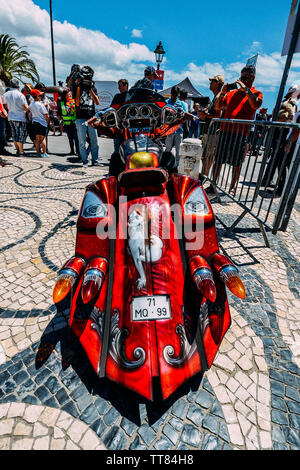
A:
[15,62]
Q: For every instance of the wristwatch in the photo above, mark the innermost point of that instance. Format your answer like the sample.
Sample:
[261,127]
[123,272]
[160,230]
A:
[248,90]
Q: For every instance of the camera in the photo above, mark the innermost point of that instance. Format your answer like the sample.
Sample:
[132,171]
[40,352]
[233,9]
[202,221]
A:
[86,76]
[83,74]
[231,86]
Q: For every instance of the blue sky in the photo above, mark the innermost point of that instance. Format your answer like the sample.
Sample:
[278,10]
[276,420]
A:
[199,31]
[117,39]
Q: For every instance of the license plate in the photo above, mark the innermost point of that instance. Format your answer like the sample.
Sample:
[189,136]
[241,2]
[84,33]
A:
[156,307]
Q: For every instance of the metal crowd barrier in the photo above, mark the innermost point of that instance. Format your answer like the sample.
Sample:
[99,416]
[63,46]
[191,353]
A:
[254,164]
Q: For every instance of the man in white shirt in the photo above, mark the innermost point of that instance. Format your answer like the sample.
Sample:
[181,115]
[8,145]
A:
[17,107]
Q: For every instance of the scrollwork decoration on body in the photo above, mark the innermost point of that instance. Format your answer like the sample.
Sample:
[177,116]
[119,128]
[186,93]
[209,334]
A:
[186,349]
[204,317]
[117,340]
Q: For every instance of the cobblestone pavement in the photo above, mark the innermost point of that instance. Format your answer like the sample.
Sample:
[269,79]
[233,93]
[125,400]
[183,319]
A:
[49,396]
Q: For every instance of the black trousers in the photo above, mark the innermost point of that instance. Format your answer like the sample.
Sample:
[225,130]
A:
[71,132]
[279,160]
[116,165]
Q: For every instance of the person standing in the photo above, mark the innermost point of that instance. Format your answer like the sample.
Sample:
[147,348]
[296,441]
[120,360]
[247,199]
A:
[289,150]
[66,110]
[147,82]
[186,125]
[194,124]
[175,139]
[206,115]
[3,116]
[26,90]
[278,157]
[40,121]
[123,88]
[86,97]
[46,102]
[240,103]
[29,126]
[115,163]
[17,107]
[123,85]
[259,133]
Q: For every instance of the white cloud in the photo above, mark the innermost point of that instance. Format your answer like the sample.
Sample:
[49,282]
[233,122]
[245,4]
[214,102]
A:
[110,59]
[30,25]
[137,33]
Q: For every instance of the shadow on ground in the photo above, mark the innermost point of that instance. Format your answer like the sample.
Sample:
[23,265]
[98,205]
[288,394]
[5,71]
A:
[124,400]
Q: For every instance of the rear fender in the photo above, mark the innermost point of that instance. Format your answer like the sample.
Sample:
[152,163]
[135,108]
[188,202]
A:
[97,208]
[214,316]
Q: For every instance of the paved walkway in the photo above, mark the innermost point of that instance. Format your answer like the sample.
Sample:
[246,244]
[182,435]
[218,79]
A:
[49,396]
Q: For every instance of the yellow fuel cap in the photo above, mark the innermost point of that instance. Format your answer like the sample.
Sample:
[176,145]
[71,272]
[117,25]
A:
[141,160]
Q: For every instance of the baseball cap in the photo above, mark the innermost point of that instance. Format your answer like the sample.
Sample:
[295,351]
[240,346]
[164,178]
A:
[36,92]
[150,71]
[14,83]
[218,78]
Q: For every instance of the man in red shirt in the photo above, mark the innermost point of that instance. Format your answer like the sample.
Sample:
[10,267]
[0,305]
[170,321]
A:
[240,103]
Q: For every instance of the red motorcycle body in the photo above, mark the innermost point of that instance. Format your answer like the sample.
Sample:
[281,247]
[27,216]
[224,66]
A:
[149,320]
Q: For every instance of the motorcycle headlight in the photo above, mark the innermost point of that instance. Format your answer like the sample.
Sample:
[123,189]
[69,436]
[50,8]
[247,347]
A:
[93,206]
[196,203]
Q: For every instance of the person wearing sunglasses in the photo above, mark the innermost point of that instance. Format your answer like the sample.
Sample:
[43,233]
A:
[237,101]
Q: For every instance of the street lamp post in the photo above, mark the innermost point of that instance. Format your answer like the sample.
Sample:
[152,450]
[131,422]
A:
[52,46]
[159,54]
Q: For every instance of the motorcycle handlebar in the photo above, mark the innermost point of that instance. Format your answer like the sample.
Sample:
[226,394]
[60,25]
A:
[97,117]
[89,121]
[56,89]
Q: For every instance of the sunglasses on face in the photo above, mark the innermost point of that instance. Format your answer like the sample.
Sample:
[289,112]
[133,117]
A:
[245,77]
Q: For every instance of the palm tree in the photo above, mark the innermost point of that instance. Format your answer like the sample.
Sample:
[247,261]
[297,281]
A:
[15,62]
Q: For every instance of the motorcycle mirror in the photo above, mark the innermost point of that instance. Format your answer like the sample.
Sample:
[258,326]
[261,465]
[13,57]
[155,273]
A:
[169,115]
[108,116]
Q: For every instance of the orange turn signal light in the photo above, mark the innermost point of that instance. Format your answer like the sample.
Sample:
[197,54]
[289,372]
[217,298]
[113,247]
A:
[229,275]
[236,286]
[63,285]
